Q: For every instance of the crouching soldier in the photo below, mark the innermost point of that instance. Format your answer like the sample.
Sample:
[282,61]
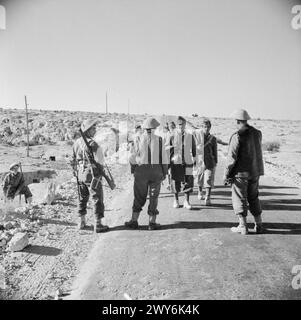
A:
[85,171]
[243,168]
[150,159]
[14,184]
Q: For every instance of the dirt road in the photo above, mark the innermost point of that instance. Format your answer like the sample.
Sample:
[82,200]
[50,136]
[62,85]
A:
[194,255]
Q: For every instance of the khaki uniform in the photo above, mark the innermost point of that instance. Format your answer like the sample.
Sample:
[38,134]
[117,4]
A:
[12,182]
[150,162]
[81,160]
[245,166]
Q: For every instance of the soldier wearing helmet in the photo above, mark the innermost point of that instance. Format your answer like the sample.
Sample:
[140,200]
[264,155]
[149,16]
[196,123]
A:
[14,184]
[150,162]
[243,168]
[83,167]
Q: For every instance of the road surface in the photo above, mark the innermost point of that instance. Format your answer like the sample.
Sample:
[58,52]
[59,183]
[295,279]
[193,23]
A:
[194,255]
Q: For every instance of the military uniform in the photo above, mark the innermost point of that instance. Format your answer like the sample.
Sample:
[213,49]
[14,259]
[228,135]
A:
[244,166]
[12,182]
[150,162]
[85,178]
[85,174]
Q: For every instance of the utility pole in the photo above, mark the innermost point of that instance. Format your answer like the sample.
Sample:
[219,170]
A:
[106,101]
[27,131]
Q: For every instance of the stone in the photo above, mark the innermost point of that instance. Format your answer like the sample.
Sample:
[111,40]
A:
[8,225]
[23,210]
[18,242]
[2,243]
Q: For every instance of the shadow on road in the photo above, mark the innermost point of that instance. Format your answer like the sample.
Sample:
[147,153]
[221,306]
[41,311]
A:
[271,228]
[261,193]
[42,250]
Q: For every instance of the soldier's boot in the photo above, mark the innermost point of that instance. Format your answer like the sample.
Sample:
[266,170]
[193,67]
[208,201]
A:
[258,228]
[242,228]
[207,201]
[133,223]
[152,223]
[99,227]
[82,223]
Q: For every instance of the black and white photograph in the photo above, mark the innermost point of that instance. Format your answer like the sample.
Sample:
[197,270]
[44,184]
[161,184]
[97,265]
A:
[150,150]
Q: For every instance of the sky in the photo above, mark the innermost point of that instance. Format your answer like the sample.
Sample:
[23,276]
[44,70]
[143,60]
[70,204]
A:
[179,57]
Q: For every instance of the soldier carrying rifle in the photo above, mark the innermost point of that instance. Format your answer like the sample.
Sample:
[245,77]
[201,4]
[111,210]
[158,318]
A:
[88,167]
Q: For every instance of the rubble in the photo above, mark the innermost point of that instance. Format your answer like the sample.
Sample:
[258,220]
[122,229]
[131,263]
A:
[22,210]
[8,225]
[18,242]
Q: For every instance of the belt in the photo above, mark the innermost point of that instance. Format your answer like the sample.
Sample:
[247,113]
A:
[244,174]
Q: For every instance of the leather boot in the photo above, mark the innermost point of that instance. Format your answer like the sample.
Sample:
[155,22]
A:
[99,227]
[133,223]
[258,228]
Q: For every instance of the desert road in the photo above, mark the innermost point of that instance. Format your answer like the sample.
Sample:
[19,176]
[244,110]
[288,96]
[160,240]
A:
[194,255]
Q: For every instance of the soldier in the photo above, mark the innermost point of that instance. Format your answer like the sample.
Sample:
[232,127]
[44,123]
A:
[182,163]
[243,168]
[83,169]
[14,184]
[150,162]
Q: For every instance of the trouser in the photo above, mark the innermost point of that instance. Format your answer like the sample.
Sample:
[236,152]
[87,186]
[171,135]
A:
[147,180]
[244,191]
[206,178]
[188,184]
[24,190]
[96,197]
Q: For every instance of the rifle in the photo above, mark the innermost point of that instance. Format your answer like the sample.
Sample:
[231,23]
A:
[77,181]
[97,169]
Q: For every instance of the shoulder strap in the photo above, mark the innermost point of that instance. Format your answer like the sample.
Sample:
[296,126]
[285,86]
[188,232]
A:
[160,150]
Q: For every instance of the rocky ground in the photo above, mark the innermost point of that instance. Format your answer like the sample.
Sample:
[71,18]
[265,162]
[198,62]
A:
[45,269]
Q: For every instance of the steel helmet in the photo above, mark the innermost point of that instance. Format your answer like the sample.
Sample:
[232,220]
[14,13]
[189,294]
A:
[15,164]
[240,114]
[87,124]
[150,123]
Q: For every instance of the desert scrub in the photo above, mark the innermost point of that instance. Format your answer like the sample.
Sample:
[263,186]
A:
[272,146]
[39,139]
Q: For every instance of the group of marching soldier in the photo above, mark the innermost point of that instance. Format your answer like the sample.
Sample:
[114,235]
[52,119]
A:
[177,153]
